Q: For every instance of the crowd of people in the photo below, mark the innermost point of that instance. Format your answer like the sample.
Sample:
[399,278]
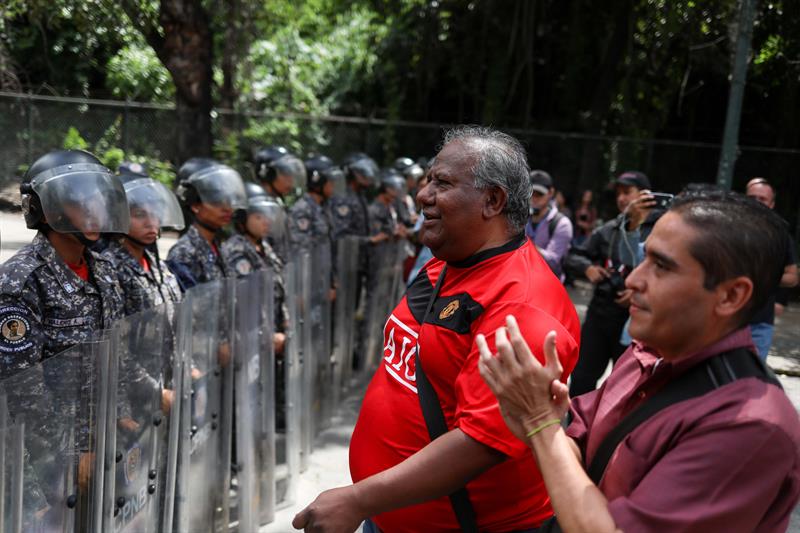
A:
[680,284]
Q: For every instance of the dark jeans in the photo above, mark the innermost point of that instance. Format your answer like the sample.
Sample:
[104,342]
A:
[599,345]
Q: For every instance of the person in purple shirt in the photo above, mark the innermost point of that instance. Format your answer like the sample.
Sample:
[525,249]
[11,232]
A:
[724,459]
[548,229]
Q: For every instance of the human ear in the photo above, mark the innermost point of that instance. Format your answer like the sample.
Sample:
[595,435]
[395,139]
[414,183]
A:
[733,295]
[495,200]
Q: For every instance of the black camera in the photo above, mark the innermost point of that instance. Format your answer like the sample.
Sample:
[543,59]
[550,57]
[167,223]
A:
[615,282]
[663,200]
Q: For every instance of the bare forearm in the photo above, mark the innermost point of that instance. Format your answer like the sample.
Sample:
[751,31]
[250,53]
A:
[577,502]
[422,477]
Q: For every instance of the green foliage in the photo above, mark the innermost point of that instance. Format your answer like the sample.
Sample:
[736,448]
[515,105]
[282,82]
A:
[111,156]
[74,141]
[136,73]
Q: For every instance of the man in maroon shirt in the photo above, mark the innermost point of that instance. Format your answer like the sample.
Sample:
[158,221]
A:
[726,460]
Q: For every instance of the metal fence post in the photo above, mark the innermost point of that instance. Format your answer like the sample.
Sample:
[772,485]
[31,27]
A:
[30,127]
[125,126]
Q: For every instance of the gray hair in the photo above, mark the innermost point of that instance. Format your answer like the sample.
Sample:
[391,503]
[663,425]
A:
[500,161]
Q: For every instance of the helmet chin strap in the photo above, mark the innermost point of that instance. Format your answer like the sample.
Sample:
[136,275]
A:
[209,227]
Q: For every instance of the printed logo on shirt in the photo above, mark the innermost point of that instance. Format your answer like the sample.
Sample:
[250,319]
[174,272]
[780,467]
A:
[400,346]
[449,310]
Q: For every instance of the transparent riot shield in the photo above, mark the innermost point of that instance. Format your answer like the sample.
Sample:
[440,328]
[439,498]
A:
[305,325]
[254,404]
[11,472]
[348,257]
[201,501]
[138,452]
[289,403]
[63,404]
[319,330]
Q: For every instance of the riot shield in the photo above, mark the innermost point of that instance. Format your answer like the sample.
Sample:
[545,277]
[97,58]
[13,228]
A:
[305,323]
[320,315]
[11,471]
[63,403]
[287,436]
[253,363]
[348,257]
[139,496]
[201,502]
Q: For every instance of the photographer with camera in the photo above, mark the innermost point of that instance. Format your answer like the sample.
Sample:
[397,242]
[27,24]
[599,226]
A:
[605,259]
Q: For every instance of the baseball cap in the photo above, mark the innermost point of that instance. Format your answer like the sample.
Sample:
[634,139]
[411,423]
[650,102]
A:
[541,181]
[633,178]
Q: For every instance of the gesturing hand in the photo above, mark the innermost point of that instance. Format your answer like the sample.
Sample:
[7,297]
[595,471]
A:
[334,511]
[528,393]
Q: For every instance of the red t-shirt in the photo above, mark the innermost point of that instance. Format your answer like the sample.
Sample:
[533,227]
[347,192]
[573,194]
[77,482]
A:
[475,297]
[81,270]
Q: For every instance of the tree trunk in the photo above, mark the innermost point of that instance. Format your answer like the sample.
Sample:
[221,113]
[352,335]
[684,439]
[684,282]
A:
[184,46]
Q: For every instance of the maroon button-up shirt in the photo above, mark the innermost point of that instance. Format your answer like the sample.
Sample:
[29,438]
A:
[728,460]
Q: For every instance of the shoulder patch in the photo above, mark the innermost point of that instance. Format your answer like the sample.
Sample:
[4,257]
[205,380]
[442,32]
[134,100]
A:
[343,210]
[303,224]
[15,329]
[17,270]
[242,267]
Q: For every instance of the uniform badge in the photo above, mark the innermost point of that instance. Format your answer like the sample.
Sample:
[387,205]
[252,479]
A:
[132,461]
[14,330]
[303,224]
[243,267]
[69,288]
[449,310]
[343,210]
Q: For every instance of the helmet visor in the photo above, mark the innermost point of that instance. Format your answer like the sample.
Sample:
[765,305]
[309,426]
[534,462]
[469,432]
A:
[82,198]
[147,197]
[367,169]
[291,166]
[336,176]
[220,185]
[273,212]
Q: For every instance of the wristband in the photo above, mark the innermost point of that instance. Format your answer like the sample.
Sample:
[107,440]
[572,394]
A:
[543,425]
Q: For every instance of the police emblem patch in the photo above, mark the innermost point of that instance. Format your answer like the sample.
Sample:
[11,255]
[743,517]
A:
[14,330]
[449,310]
[242,267]
[132,461]
[303,224]
[343,210]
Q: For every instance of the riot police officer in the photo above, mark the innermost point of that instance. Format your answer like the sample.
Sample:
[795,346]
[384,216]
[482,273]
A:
[349,212]
[412,172]
[57,291]
[279,172]
[248,250]
[308,220]
[210,192]
[145,280]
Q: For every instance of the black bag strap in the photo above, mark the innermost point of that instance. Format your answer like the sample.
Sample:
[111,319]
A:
[713,373]
[551,227]
[437,425]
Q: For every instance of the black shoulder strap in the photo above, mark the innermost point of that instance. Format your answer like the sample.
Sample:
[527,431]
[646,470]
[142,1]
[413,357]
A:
[717,371]
[437,425]
[551,226]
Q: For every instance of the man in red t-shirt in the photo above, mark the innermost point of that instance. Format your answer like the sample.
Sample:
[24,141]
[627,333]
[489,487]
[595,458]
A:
[475,205]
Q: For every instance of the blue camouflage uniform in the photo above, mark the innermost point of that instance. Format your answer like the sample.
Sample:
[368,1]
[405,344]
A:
[193,261]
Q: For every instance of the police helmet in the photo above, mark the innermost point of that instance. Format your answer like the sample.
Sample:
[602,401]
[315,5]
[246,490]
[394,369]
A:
[361,168]
[266,207]
[408,168]
[320,170]
[147,197]
[129,170]
[72,192]
[392,179]
[272,161]
[202,180]
[253,192]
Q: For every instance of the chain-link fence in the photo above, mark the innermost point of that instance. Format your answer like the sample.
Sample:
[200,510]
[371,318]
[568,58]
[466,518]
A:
[31,125]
